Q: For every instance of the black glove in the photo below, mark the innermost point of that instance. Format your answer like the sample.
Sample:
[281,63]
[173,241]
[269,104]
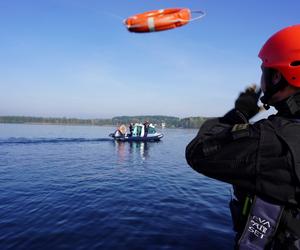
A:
[247,102]
[245,107]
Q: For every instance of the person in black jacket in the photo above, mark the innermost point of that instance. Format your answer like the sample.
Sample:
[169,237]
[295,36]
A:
[146,128]
[130,129]
[260,160]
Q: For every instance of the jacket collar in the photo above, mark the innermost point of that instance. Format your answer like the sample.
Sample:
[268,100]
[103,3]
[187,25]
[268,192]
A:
[289,107]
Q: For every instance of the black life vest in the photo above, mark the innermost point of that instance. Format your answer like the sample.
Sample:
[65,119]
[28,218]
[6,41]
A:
[278,217]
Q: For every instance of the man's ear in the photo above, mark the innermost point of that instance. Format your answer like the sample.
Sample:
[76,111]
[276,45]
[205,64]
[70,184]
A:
[276,77]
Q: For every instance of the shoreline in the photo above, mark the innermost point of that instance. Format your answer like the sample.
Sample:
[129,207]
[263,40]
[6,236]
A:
[59,124]
[158,120]
[86,125]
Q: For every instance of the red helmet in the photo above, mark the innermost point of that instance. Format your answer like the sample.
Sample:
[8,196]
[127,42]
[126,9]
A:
[282,52]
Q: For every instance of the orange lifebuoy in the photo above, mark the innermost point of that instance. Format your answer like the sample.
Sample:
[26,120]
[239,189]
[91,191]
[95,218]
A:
[158,20]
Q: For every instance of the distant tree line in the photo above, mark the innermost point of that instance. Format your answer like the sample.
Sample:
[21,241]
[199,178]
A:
[191,122]
[169,121]
[47,120]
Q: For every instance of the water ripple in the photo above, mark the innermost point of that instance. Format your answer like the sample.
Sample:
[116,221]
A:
[13,140]
[80,193]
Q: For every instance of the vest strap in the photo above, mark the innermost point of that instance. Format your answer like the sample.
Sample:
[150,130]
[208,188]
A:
[261,226]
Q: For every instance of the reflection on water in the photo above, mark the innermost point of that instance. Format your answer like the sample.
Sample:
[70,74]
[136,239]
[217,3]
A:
[121,150]
[129,148]
[62,188]
[141,147]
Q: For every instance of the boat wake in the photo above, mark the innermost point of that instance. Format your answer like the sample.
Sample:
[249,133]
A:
[13,140]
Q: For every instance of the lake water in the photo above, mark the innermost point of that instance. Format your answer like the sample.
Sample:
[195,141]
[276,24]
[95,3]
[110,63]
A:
[71,187]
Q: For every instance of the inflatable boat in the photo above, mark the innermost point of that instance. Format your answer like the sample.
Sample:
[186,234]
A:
[138,132]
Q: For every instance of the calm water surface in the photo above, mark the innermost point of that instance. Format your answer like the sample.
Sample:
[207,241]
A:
[71,187]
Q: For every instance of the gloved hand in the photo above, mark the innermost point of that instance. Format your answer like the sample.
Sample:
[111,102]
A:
[247,102]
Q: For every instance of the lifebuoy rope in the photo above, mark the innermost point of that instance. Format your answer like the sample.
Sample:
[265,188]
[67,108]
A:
[203,14]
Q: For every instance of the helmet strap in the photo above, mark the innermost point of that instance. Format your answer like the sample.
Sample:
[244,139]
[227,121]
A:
[271,89]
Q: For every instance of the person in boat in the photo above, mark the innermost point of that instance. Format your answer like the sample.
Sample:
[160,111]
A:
[130,129]
[261,160]
[146,128]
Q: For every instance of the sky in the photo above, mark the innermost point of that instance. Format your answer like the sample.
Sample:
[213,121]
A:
[75,58]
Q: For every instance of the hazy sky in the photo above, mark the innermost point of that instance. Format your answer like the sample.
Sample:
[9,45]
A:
[75,58]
